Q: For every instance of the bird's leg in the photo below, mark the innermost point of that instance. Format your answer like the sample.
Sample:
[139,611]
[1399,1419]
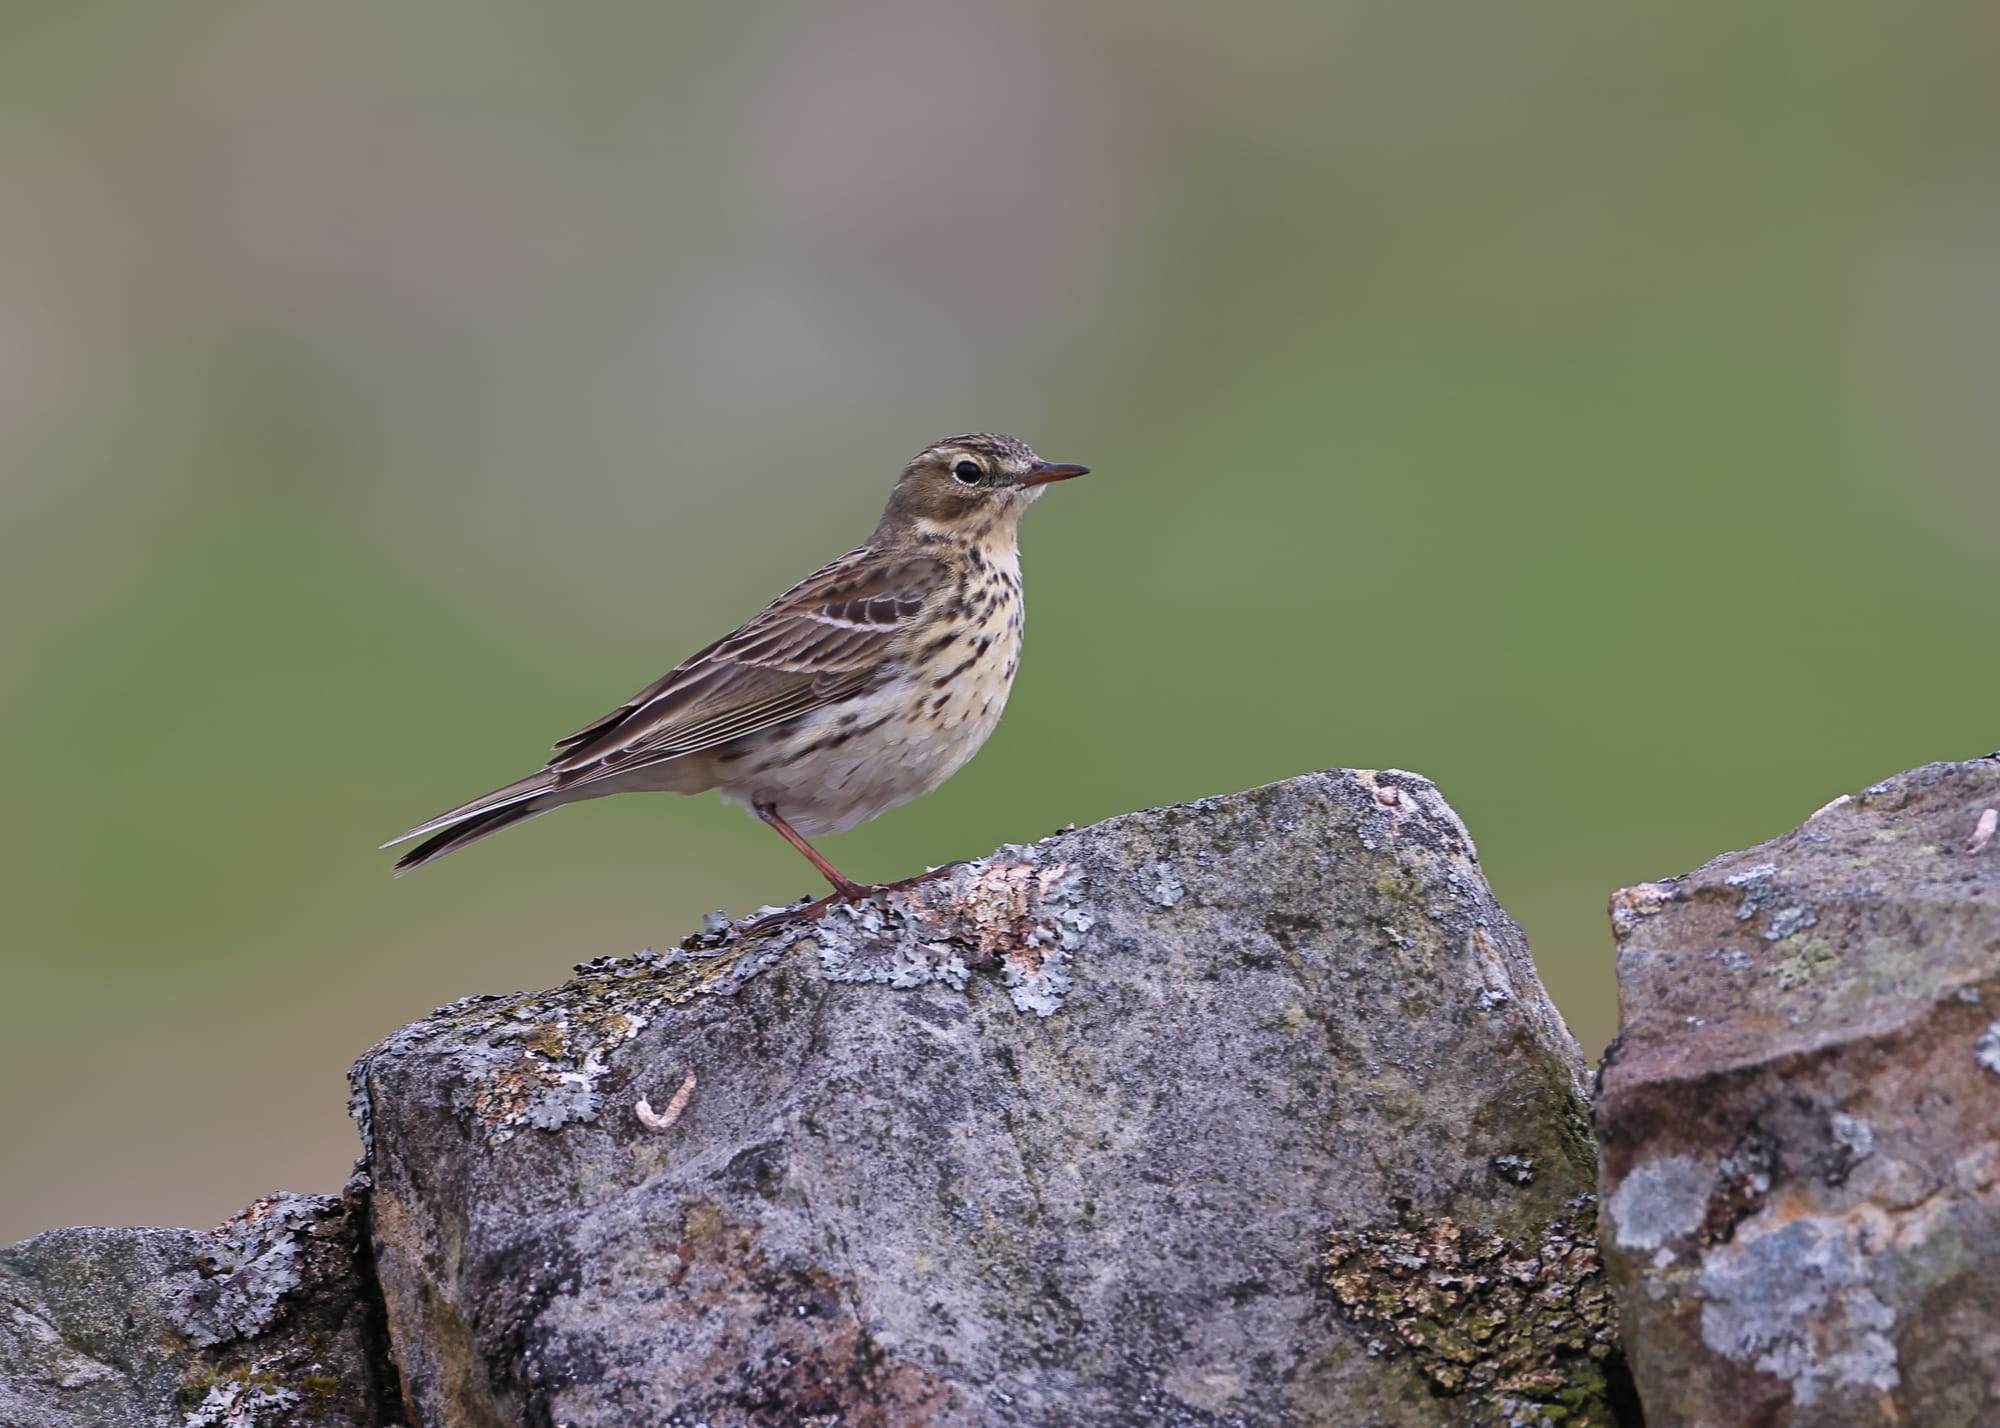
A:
[843,884]
[845,888]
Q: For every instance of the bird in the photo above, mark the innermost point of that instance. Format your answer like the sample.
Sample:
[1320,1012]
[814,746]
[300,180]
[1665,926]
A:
[865,685]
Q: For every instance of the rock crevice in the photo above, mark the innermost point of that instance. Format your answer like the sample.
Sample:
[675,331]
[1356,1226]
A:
[271,1319]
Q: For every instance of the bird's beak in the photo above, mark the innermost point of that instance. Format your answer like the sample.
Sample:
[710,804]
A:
[1043,472]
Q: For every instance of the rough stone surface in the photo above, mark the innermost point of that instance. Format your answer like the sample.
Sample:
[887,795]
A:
[1250,1111]
[1800,1121]
[267,1322]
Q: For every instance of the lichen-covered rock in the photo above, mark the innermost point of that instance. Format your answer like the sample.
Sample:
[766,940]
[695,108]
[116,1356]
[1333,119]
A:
[1800,1121]
[1245,1112]
[267,1322]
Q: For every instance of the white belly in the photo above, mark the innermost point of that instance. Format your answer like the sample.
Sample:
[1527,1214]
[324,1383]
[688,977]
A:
[841,766]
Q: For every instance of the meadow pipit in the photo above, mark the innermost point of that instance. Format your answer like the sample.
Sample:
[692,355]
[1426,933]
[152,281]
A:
[867,684]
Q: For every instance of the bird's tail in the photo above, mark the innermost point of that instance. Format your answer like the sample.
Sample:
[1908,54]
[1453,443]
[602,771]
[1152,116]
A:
[469,822]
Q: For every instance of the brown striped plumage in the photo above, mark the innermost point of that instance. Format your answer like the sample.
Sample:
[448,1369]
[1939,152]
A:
[867,684]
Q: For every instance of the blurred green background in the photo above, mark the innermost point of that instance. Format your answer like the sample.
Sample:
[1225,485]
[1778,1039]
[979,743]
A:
[1586,406]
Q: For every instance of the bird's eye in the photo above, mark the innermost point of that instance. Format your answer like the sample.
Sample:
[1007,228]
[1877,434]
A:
[968,472]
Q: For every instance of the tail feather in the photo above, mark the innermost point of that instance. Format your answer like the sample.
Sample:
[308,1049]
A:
[519,791]
[468,830]
[469,822]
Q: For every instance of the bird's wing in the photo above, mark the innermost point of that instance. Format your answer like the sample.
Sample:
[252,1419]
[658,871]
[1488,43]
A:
[820,641]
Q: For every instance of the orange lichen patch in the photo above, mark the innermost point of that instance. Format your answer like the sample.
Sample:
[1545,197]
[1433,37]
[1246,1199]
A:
[1641,900]
[1020,915]
[997,916]
[502,1098]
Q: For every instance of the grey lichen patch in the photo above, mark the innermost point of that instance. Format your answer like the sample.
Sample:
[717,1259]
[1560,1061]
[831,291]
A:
[1161,884]
[243,1403]
[1786,921]
[710,965]
[714,962]
[1660,1200]
[1009,911]
[1484,1316]
[1854,1135]
[1038,984]
[1794,1300]
[1763,892]
[870,942]
[541,1067]
[1986,1050]
[235,1289]
[534,1060]
[1759,889]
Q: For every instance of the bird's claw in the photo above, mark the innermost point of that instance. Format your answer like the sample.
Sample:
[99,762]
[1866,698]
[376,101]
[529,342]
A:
[819,907]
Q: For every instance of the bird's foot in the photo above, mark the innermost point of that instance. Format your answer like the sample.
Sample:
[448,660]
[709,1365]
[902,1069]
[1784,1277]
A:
[849,892]
[919,880]
[805,912]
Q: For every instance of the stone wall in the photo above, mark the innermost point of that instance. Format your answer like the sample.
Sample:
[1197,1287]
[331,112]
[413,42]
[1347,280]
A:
[1245,1112]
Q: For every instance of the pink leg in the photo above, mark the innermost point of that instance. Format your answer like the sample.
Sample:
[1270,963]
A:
[843,884]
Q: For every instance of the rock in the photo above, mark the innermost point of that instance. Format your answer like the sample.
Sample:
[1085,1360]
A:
[1245,1112]
[265,1323]
[1800,1120]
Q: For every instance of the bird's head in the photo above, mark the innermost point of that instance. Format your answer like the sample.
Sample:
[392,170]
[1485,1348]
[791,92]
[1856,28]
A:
[965,485]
